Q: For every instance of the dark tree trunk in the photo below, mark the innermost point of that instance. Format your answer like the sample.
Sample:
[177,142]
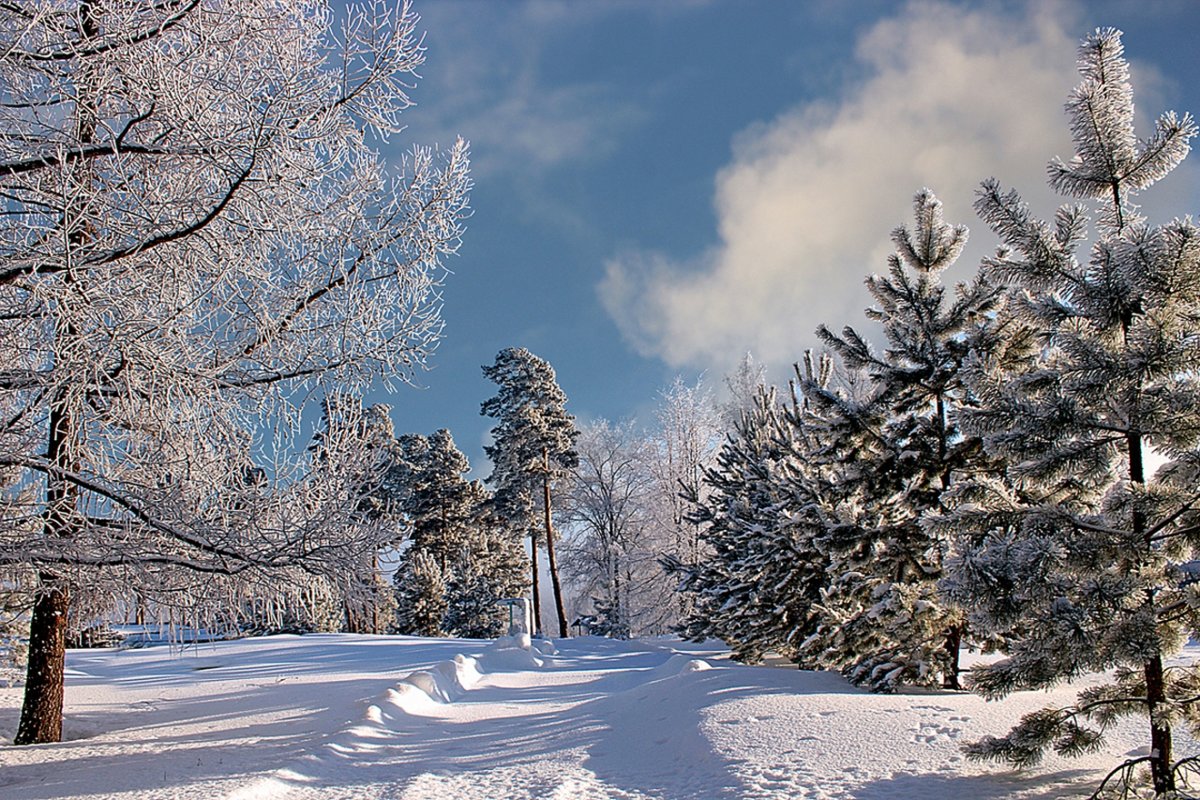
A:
[42,711]
[954,638]
[42,707]
[1156,691]
[555,584]
[1160,732]
[537,593]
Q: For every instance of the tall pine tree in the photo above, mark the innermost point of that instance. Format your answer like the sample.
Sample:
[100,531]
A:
[757,587]
[347,424]
[1088,552]
[533,447]
[490,566]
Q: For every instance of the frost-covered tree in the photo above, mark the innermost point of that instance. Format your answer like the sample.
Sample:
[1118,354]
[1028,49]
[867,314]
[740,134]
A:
[196,229]
[613,546]
[1088,555]
[741,387]
[686,439]
[438,502]
[365,594]
[490,567]
[533,448]
[897,447]
[760,579]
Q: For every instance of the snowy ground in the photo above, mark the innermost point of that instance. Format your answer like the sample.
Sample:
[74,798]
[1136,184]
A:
[340,716]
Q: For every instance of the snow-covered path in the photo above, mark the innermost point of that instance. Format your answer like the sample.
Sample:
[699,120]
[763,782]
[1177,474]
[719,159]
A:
[397,718]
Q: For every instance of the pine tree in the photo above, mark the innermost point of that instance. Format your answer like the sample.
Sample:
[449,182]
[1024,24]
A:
[437,500]
[533,447]
[421,596]
[897,449]
[1086,556]
[345,422]
[449,520]
[490,567]
[757,588]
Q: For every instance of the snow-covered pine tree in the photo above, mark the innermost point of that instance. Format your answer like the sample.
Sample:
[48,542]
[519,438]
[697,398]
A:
[533,447]
[451,520]
[490,566]
[1088,554]
[897,448]
[437,500]
[421,596]
[758,584]
[366,598]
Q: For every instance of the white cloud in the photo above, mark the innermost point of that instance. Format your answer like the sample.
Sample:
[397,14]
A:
[953,95]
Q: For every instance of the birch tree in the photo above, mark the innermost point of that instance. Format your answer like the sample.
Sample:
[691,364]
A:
[686,441]
[197,229]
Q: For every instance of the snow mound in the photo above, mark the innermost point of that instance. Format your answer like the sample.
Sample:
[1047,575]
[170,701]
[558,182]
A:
[680,664]
[444,682]
[514,653]
[520,640]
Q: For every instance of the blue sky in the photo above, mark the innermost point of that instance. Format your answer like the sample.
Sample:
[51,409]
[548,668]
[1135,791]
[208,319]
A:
[664,185]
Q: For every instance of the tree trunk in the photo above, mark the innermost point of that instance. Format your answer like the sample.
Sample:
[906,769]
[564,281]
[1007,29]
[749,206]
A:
[555,584]
[1156,691]
[618,612]
[42,706]
[42,711]
[1160,732]
[537,594]
[954,638]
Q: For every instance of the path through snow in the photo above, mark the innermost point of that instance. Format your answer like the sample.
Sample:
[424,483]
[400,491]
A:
[395,718]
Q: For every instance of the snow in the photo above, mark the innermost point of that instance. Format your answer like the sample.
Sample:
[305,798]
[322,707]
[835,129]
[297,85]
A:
[402,718]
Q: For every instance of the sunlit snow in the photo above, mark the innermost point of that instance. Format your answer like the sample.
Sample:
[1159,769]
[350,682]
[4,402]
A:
[342,716]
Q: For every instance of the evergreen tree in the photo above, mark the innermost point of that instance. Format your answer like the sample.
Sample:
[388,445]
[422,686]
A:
[533,447]
[345,423]
[757,587]
[438,501]
[421,596]
[1086,556]
[897,448]
[490,566]
[450,521]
